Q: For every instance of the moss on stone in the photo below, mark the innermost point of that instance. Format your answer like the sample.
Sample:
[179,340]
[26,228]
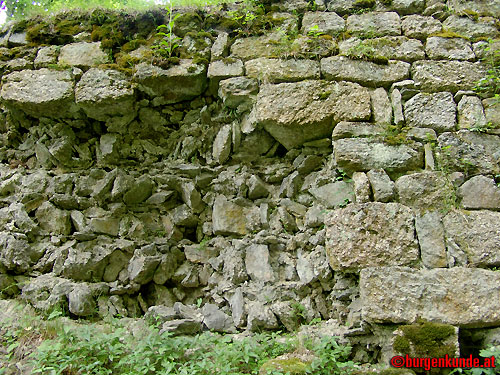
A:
[290,366]
[364,3]
[425,339]
[396,371]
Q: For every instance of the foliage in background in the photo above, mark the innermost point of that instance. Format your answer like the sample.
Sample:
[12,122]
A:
[491,82]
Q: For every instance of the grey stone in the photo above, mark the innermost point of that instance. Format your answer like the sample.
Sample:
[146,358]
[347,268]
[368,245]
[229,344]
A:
[397,107]
[191,196]
[430,233]
[290,185]
[436,111]
[16,253]
[470,113]
[222,144]
[447,75]
[160,314]
[306,109]
[370,234]
[140,191]
[81,301]
[425,190]
[334,195]
[17,39]
[469,152]
[407,6]
[46,56]
[104,93]
[181,327]
[420,27]
[382,186]
[315,216]
[85,261]
[382,49]
[257,188]
[237,304]
[47,292]
[492,112]
[344,7]
[142,268]
[8,286]
[220,48]
[470,29]
[277,70]
[53,220]
[223,69]
[323,22]
[346,129]
[479,7]
[109,226]
[381,106]
[256,46]
[83,55]
[215,319]
[429,163]
[183,215]
[40,91]
[257,263]
[458,296]
[175,84]
[260,316]
[365,72]
[480,192]
[361,154]
[406,88]
[118,261]
[362,189]
[374,24]
[237,91]
[230,218]
[438,48]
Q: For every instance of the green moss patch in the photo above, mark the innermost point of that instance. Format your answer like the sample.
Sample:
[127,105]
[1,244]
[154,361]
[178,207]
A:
[425,339]
[289,366]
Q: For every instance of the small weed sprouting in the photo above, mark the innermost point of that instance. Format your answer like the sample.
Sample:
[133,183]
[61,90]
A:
[314,32]
[170,42]
[490,84]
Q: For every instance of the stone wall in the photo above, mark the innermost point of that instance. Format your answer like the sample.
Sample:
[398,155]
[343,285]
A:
[290,161]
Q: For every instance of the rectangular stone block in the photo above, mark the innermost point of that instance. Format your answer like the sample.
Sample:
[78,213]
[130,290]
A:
[462,297]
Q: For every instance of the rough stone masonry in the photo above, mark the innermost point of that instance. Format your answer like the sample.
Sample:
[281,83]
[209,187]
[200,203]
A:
[341,164]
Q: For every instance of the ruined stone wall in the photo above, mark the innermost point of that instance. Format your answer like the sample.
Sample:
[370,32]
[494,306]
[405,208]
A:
[289,162]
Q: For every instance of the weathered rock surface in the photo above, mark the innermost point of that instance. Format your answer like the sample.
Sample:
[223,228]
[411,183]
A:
[180,82]
[431,238]
[104,93]
[364,72]
[231,218]
[480,192]
[295,113]
[374,24]
[438,48]
[277,71]
[458,296]
[447,75]
[389,47]
[371,234]
[468,28]
[420,27]
[83,55]
[323,22]
[334,194]
[436,111]
[361,154]
[425,190]
[43,91]
[470,113]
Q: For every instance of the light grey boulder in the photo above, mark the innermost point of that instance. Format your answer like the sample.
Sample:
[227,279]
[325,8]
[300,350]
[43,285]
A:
[344,7]
[257,263]
[373,24]
[83,261]
[397,107]
[469,152]
[384,48]
[436,111]
[181,327]
[479,7]
[438,48]
[81,301]
[364,72]
[175,84]
[220,47]
[461,297]
[43,91]
[105,225]
[308,110]
[237,91]
[346,129]
[381,106]
[215,319]
[335,194]
[16,253]
[257,188]
[420,27]
[381,184]
[278,70]
[370,234]
[447,75]
[256,46]
[53,220]
[407,6]
[104,93]
[222,144]
[480,192]
[362,154]
[470,113]
[45,56]
[323,22]
[471,29]
[492,112]
[230,218]
[362,190]
[260,316]
[425,190]
[223,69]
[47,292]
[143,264]
[83,55]
[431,239]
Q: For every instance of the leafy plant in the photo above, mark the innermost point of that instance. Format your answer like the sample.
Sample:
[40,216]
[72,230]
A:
[491,82]
[170,43]
[314,31]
